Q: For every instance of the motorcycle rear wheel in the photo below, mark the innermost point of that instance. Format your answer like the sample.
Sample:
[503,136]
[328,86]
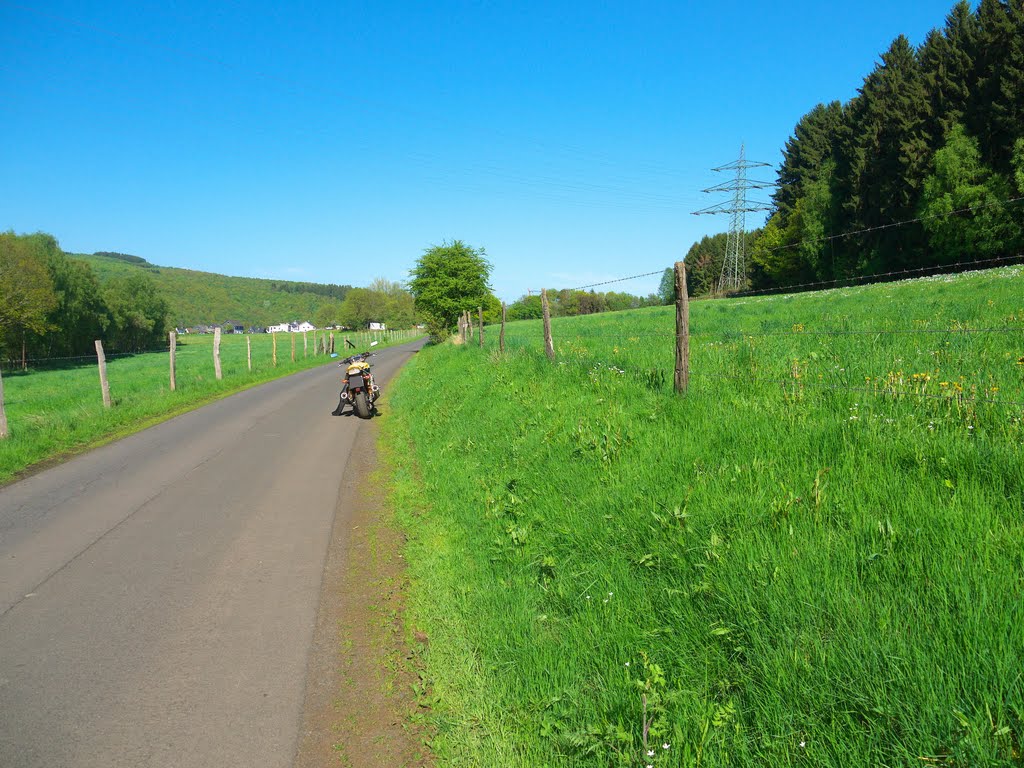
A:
[361,405]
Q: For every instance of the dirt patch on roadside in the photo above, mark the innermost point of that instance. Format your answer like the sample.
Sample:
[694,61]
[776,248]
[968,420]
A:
[360,708]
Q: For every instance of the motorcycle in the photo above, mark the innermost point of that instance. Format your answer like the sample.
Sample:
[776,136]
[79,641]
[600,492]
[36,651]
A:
[358,386]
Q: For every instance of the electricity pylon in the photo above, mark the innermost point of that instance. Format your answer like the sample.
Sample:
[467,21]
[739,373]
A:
[734,268]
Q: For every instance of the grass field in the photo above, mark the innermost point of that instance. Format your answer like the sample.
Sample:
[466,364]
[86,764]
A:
[53,411]
[815,557]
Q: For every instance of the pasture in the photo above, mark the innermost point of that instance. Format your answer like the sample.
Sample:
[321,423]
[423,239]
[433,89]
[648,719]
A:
[813,558]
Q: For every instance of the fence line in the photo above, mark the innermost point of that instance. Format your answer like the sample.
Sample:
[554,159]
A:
[738,335]
[173,351]
[183,348]
[662,375]
[840,282]
[683,336]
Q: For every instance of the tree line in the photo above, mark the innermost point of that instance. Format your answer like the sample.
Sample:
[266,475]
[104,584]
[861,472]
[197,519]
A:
[934,138]
[566,302]
[383,301]
[54,306]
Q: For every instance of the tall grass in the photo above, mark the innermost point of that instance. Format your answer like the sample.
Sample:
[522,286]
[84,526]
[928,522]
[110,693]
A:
[771,570]
[57,411]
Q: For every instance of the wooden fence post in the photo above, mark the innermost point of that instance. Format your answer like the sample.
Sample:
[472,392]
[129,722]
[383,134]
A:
[216,353]
[480,314]
[501,336]
[682,378]
[305,343]
[332,342]
[248,351]
[549,343]
[101,361]
[273,338]
[462,328]
[174,347]
[3,415]
[293,347]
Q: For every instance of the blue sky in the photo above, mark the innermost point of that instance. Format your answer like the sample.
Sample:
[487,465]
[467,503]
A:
[335,142]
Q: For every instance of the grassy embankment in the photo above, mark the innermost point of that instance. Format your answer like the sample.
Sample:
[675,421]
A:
[787,573]
[56,412]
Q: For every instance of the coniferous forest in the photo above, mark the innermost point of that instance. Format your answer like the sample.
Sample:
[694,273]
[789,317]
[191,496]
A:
[922,168]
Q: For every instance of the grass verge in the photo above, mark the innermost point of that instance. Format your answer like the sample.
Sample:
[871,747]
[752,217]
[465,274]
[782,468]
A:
[783,567]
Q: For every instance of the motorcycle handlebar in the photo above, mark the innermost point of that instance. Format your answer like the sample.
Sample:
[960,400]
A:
[361,356]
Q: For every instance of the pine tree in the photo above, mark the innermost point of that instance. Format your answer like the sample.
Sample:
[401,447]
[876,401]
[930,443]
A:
[988,108]
[806,152]
[890,142]
[1008,108]
[948,69]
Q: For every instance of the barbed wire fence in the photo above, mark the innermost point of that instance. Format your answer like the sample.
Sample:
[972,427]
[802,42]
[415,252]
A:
[894,385]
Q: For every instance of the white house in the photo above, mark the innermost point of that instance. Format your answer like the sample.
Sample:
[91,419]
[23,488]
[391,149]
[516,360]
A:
[378,327]
[282,328]
[305,326]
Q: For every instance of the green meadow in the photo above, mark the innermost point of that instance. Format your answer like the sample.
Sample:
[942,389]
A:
[55,408]
[813,558]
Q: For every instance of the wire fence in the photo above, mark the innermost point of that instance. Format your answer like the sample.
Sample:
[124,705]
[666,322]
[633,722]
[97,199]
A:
[660,378]
[46,391]
[186,345]
[600,350]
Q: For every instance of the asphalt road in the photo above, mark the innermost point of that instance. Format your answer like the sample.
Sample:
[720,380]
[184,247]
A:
[158,595]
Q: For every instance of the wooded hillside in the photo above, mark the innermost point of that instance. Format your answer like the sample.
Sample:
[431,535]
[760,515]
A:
[195,297]
[923,167]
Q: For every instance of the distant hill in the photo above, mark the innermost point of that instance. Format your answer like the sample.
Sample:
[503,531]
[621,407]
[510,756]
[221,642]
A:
[207,298]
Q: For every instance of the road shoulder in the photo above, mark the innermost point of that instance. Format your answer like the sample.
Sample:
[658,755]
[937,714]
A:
[359,703]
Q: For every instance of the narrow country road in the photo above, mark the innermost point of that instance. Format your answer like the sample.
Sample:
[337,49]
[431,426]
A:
[158,595]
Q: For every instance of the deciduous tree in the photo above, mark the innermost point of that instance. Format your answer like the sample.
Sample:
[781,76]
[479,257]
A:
[26,288]
[449,279]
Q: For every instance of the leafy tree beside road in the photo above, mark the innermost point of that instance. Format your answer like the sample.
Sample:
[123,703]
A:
[51,305]
[26,289]
[449,279]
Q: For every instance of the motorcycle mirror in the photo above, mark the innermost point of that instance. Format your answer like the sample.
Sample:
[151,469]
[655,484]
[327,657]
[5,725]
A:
[374,343]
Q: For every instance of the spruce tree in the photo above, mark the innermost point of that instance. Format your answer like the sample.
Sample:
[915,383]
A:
[806,152]
[948,69]
[891,136]
[984,116]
